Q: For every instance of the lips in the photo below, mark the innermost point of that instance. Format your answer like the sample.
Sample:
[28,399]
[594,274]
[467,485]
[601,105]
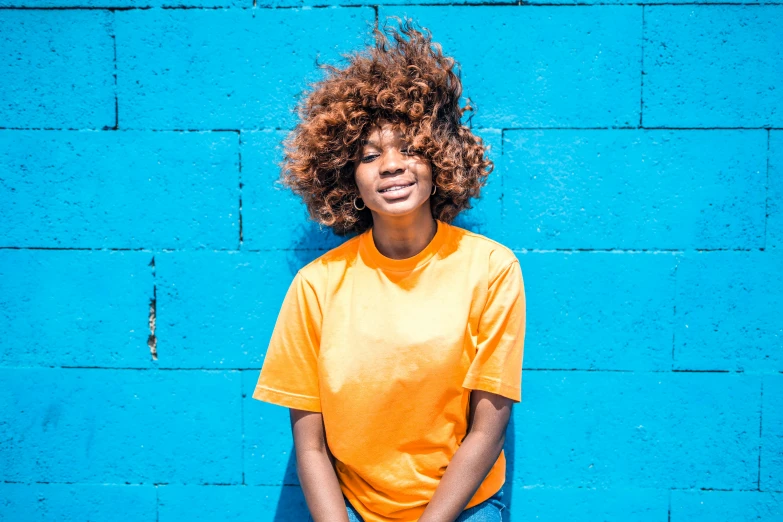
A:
[396,187]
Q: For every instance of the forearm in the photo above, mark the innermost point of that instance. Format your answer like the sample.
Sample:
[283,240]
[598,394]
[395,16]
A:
[467,470]
[320,486]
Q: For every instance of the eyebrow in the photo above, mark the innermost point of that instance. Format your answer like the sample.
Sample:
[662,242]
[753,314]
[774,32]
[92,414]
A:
[374,144]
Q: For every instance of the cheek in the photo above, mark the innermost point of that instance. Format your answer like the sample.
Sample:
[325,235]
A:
[424,171]
[365,184]
[361,179]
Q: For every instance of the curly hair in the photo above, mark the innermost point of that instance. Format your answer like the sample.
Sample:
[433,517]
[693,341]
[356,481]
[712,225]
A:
[409,84]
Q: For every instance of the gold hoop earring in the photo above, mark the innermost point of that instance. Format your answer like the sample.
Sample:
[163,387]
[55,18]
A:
[354,204]
[434,188]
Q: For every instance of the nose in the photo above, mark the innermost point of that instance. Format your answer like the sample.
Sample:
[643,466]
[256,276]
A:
[392,161]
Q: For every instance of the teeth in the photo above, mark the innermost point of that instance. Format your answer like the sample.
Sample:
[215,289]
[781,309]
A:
[399,187]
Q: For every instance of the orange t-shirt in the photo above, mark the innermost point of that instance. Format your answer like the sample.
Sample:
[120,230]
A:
[388,351]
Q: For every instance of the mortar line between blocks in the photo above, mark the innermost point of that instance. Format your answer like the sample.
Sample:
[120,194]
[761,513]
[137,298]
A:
[761,420]
[126,484]
[513,129]
[236,369]
[674,308]
[509,4]
[641,93]
[265,484]
[116,89]
[521,250]
[242,421]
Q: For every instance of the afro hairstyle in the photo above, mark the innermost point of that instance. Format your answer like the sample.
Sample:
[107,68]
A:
[406,81]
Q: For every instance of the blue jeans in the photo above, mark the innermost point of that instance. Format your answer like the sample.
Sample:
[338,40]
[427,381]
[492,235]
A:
[487,511]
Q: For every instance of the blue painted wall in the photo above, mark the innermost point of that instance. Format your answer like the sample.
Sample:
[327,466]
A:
[145,250]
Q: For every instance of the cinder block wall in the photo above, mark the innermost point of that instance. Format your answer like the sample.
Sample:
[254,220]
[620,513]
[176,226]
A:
[144,250]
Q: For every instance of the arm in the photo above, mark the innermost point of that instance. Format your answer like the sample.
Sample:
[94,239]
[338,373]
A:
[315,467]
[489,414]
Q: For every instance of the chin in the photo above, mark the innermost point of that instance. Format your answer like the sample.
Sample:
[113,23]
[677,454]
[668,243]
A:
[400,209]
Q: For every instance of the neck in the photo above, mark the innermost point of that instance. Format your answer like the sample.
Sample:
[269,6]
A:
[401,237]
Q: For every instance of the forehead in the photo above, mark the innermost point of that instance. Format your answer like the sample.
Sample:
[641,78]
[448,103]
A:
[379,134]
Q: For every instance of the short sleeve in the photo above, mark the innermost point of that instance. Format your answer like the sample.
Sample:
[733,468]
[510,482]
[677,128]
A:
[497,366]
[289,374]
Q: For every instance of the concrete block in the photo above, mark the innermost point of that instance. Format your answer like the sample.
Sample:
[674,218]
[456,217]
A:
[119,189]
[485,216]
[121,426]
[75,308]
[637,430]
[218,309]
[726,506]
[273,217]
[713,66]
[634,189]
[542,67]
[598,310]
[93,502]
[57,69]
[226,69]
[232,503]
[771,470]
[728,311]
[270,457]
[587,505]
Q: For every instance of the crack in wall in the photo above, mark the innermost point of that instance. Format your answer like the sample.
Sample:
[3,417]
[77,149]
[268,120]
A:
[152,340]
[241,185]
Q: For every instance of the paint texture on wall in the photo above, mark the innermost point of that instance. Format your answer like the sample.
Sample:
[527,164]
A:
[146,249]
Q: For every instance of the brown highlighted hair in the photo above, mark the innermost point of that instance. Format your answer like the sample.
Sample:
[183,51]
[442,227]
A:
[407,82]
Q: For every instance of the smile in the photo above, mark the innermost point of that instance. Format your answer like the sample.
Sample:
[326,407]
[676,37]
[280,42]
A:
[396,188]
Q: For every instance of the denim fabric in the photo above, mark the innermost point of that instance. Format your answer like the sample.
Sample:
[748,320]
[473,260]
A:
[487,511]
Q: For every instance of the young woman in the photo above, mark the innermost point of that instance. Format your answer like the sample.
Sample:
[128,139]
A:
[399,352]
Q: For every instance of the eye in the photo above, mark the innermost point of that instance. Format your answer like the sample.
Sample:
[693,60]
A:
[406,150]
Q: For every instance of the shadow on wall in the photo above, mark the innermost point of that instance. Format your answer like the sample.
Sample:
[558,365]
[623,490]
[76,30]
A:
[309,240]
[508,449]
[292,505]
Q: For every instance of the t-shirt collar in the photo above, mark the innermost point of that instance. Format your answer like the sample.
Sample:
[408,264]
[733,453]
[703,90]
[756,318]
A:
[373,256]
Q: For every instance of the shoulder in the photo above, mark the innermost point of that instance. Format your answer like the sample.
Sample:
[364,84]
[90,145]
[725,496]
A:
[497,255]
[338,259]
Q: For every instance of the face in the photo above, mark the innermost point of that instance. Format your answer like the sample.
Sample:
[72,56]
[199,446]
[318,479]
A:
[393,179]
